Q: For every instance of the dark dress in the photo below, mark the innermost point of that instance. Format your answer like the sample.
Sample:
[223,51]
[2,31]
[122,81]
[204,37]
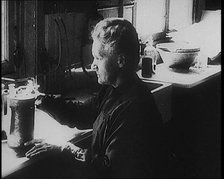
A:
[127,131]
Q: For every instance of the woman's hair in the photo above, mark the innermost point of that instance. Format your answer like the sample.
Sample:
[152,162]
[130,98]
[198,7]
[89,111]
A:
[121,35]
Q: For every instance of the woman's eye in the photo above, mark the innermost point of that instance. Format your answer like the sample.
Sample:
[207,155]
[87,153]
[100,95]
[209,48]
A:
[98,58]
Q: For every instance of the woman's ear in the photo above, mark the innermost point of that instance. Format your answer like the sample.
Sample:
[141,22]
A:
[121,61]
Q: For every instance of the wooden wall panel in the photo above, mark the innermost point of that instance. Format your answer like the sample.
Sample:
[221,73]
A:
[30,38]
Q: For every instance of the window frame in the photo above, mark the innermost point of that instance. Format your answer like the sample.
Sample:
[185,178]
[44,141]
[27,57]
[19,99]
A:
[5,31]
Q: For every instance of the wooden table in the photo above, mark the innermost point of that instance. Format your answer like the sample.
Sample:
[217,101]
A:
[45,128]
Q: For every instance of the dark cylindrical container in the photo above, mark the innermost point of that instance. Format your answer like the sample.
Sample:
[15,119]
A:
[22,123]
[4,102]
[147,68]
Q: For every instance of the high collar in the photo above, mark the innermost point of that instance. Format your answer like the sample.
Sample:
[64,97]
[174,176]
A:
[126,85]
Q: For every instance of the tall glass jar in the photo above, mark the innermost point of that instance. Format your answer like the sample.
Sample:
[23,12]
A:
[22,123]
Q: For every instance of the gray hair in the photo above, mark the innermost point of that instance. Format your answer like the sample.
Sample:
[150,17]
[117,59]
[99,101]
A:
[122,36]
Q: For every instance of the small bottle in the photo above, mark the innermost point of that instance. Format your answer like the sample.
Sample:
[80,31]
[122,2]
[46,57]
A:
[149,61]
[152,53]
[146,67]
[4,100]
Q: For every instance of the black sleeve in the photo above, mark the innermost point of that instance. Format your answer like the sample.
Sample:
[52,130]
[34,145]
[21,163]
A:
[68,112]
[73,113]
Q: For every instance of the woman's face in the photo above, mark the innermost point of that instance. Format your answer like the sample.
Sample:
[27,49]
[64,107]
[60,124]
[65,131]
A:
[105,64]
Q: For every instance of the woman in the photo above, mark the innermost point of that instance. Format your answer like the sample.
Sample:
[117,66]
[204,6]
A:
[127,126]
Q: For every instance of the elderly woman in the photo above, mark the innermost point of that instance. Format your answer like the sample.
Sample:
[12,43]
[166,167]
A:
[127,127]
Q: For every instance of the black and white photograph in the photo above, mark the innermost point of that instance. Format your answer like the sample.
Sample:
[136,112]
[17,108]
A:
[110,89]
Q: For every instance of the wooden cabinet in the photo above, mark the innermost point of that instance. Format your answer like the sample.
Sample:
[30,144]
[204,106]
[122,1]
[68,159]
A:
[193,132]
[196,131]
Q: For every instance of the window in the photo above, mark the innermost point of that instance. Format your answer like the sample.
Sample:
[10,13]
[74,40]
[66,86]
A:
[121,8]
[150,16]
[109,11]
[180,14]
[4,31]
[154,16]
[129,13]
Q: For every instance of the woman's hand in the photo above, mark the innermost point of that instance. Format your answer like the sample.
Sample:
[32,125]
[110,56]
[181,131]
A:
[41,147]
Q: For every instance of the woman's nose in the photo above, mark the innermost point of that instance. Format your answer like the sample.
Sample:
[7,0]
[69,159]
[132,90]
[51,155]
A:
[93,65]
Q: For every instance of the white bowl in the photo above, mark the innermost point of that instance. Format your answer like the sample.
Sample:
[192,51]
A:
[178,58]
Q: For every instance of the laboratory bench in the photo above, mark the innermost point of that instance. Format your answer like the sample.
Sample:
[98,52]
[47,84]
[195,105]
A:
[46,127]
